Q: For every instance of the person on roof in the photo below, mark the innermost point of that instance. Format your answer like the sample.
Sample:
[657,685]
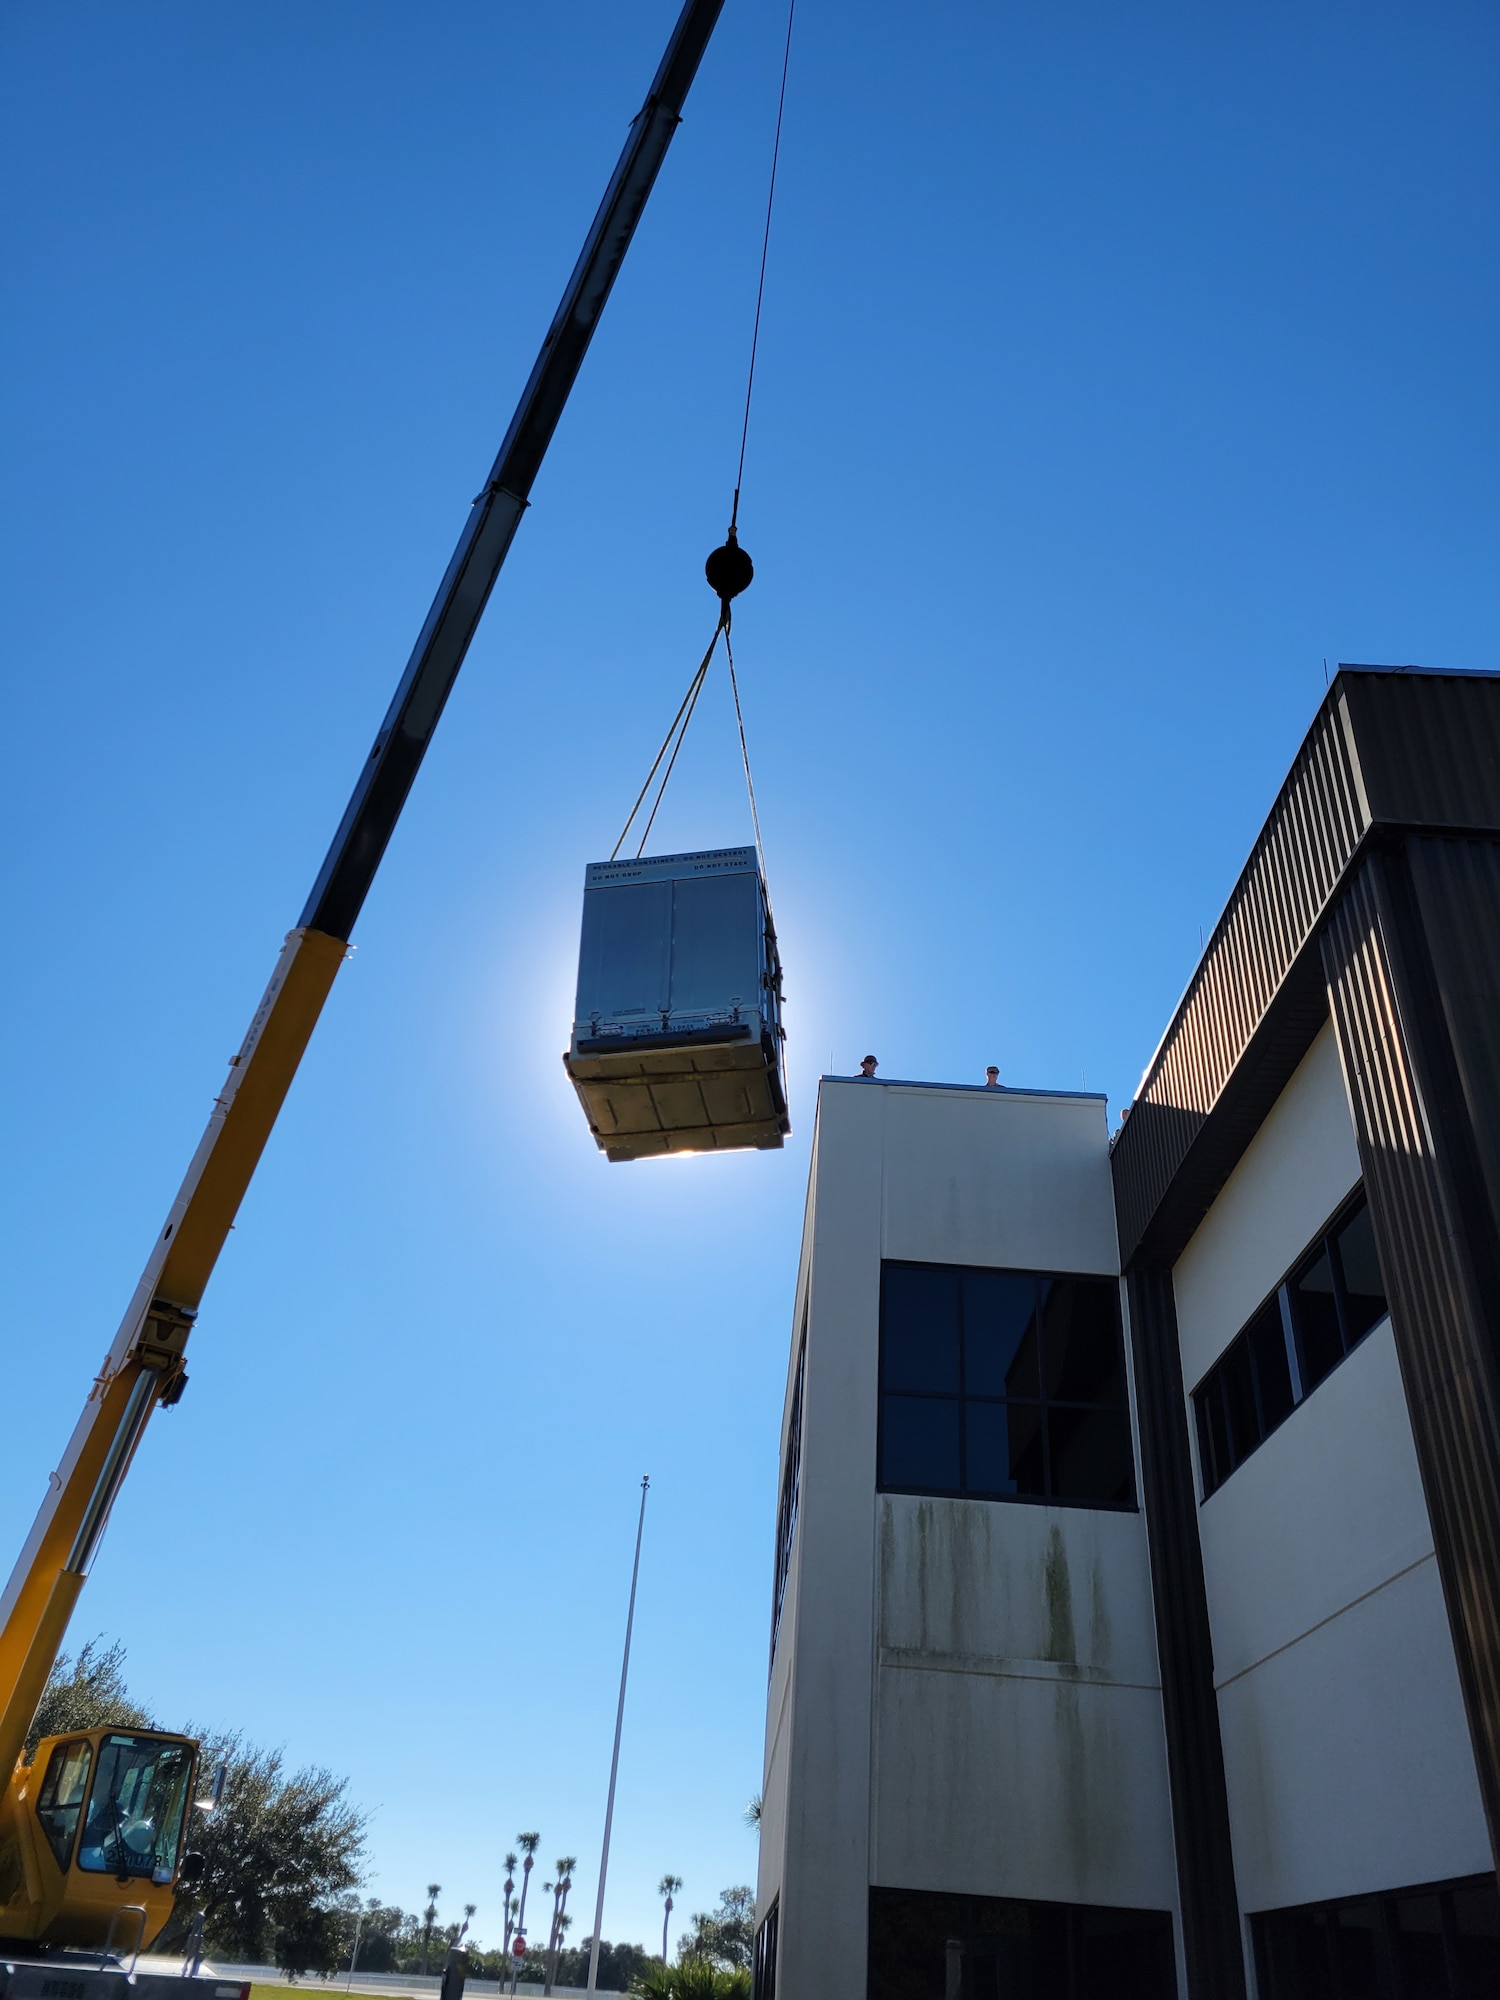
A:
[868,1067]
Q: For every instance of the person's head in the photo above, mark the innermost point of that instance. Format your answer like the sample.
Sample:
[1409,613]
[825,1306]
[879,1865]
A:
[992,1077]
[868,1066]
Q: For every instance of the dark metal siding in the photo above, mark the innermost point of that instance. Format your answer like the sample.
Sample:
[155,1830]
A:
[1387,753]
[1429,747]
[1349,899]
[1413,963]
[1195,1759]
[1314,829]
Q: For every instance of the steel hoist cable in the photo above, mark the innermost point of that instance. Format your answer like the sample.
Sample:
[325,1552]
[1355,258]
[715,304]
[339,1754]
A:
[678,730]
[729,569]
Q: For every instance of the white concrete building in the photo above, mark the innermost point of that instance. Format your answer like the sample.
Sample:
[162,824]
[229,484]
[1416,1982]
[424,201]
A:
[1137,1607]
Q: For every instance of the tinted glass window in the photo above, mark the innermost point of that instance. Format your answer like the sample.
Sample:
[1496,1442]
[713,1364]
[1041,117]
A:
[1330,1302]
[1004,1448]
[1440,1942]
[791,1491]
[1265,1337]
[1003,1384]
[1419,1943]
[919,1442]
[1239,1403]
[136,1807]
[1364,1289]
[1213,1433]
[61,1797]
[1090,1453]
[1081,1338]
[929,1945]
[919,1328]
[1000,1334]
[1315,1316]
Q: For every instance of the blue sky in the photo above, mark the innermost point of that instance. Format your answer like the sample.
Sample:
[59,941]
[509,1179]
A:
[1119,366]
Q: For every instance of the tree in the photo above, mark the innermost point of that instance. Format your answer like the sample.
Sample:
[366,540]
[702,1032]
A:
[560,1920]
[380,1936]
[510,1902]
[528,1844]
[275,1849]
[88,1692]
[429,1918]
[667,1887]
[751,1814]
[280,1852]
[725,1936]
[618,1964]
[310,1939]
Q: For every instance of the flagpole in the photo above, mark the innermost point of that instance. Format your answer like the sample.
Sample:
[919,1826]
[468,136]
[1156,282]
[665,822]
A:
[614,1762]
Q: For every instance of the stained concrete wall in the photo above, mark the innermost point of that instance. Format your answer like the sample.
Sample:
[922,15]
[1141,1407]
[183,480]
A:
[1346,1749]
[1018,1734]
[965,1693]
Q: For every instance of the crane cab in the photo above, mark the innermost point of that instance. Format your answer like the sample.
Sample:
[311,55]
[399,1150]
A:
[676,1044]
[92,1829]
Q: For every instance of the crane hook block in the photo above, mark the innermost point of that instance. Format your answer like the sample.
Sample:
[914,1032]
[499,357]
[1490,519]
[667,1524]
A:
[729,570]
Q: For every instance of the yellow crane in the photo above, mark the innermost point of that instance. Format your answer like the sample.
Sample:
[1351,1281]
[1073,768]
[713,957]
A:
[95,1826]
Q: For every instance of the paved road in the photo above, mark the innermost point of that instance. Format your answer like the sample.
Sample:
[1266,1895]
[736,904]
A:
[396,1985]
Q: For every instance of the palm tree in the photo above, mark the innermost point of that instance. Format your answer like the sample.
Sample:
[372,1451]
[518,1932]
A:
[560,1921]
[429,1918]
[528,1844]
[469,1909]
[510,1902]
[668,1887]
[752,1814]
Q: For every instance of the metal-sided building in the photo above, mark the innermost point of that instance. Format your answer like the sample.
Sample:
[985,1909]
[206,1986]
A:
[1136,1625]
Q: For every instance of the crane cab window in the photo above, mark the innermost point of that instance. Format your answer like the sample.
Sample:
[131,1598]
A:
[61,1798]
[136,1808]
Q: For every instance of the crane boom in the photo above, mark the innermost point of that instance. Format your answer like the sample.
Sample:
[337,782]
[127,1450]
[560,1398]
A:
[144,1366]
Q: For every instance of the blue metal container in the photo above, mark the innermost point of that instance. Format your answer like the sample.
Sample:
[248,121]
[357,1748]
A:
[677,1026]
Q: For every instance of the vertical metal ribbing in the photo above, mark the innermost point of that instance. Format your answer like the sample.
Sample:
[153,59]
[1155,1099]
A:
[1309,839]
[1406,1054]
[1211,1935]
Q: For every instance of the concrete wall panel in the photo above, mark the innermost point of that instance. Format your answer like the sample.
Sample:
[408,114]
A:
[1018,1745]
[984,1177]
[1348,1759]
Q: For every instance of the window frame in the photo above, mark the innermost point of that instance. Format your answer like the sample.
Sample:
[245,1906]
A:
[1281,1299]
[765,1951]
[789,1499]
[46,1803]
[960,1398]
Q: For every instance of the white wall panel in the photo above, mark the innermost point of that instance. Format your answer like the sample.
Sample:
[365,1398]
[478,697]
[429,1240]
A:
[1019,1747]
[1294,1173]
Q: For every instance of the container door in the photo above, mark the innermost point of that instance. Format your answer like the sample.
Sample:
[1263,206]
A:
[716,944]
[625,956]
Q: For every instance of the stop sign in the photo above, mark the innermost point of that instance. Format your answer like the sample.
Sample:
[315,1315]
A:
[518,1945]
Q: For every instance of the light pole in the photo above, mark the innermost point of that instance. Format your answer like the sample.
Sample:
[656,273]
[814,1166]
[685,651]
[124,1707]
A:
[614,1762]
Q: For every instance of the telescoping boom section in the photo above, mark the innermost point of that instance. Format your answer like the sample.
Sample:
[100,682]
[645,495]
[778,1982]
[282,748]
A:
[144,1368]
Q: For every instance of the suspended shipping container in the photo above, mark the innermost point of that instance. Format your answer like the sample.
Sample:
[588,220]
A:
[677,1028]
